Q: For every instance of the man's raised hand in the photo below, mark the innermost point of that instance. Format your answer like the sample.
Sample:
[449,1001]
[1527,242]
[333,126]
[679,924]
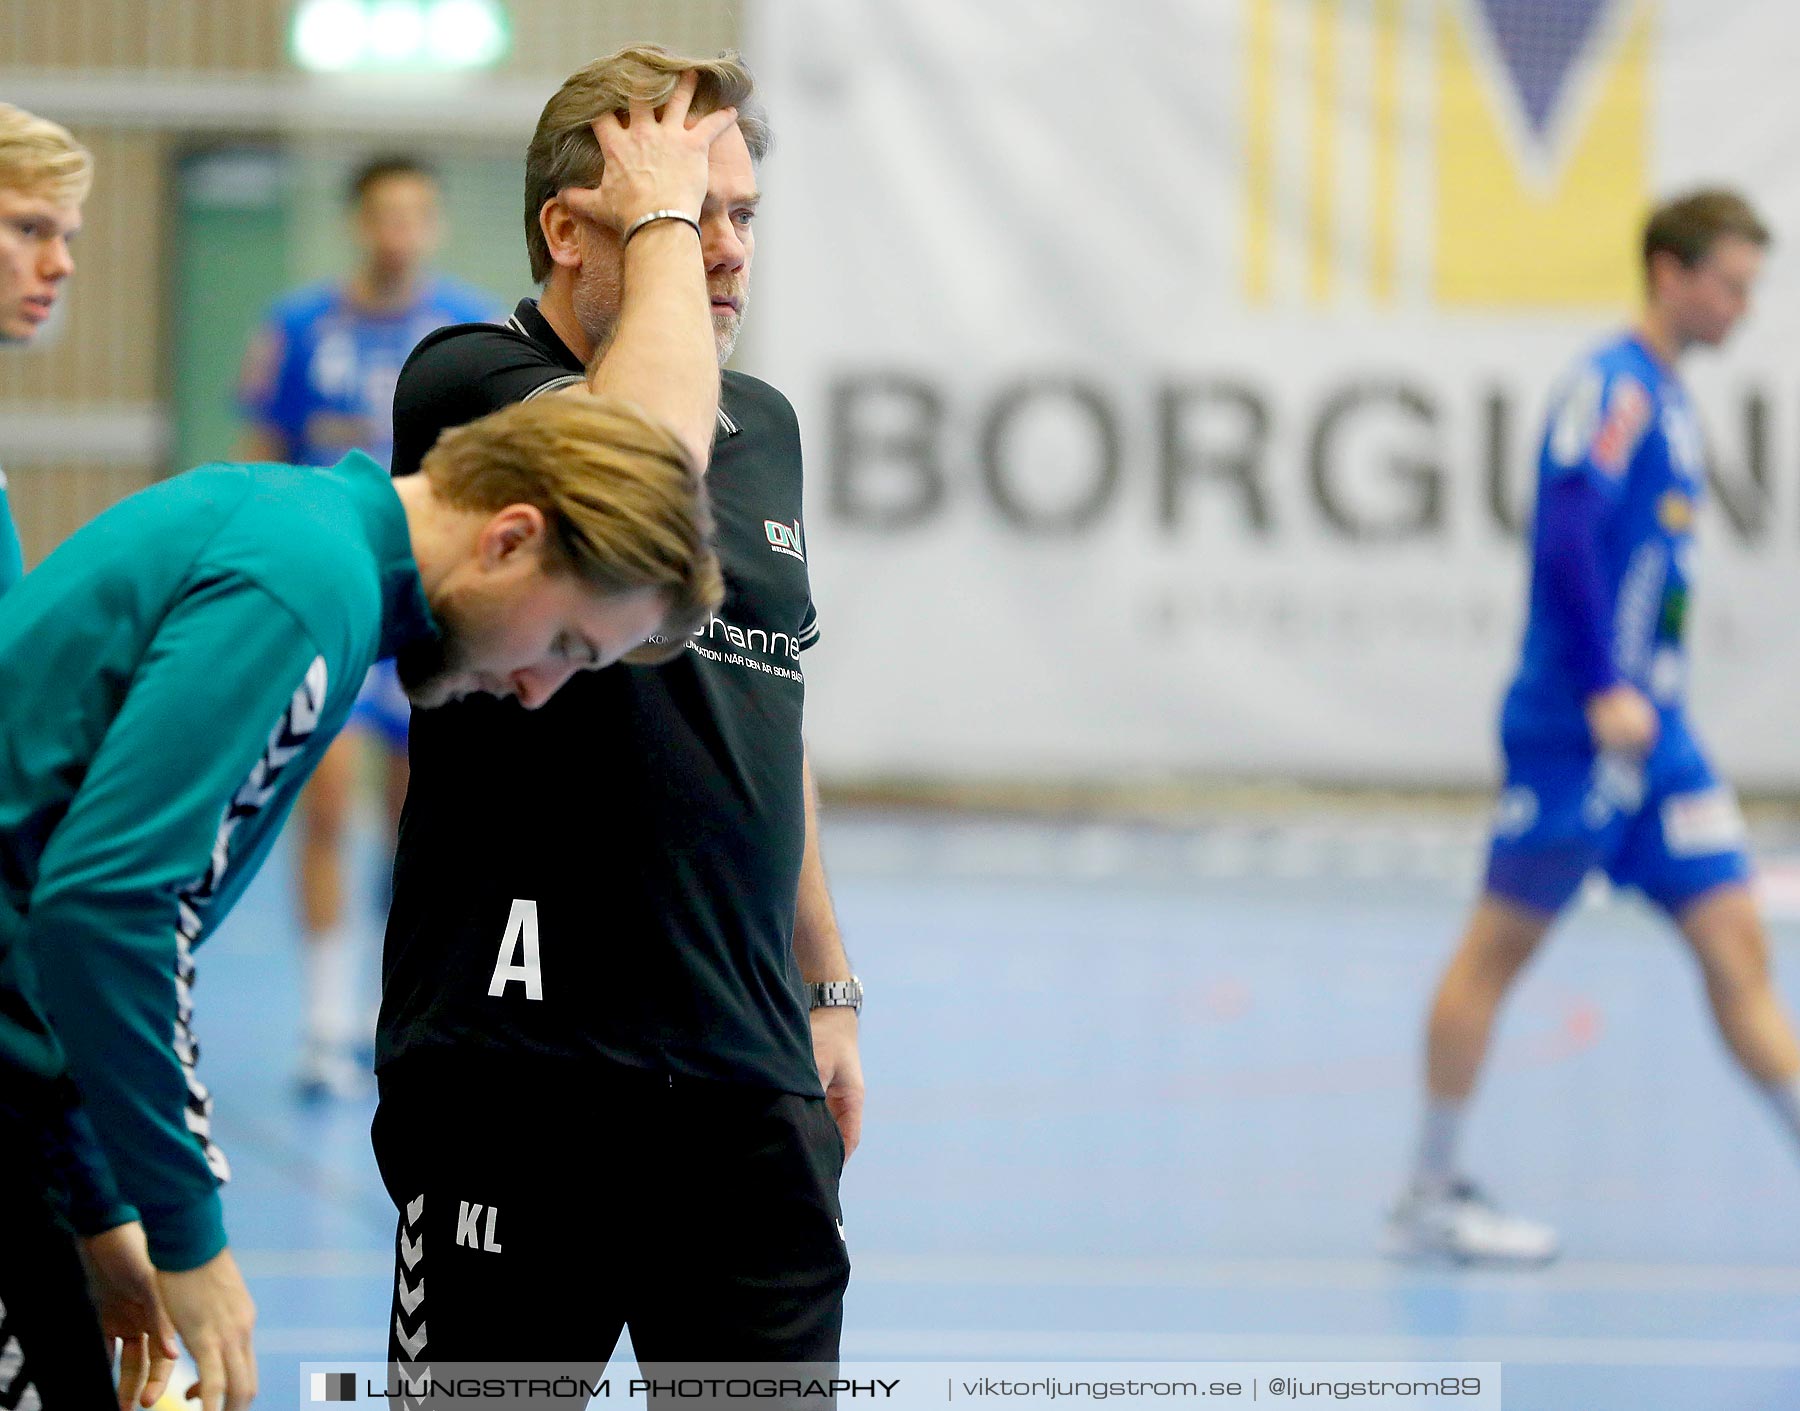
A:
[656,160]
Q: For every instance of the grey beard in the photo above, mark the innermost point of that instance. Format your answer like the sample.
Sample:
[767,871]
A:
[602,330]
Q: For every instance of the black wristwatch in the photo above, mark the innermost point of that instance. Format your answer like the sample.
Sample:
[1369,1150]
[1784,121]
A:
[835,994]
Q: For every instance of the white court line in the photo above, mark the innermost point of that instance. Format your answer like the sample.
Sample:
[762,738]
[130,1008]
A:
[1108,1271]
[1103,1271]
[1073,1345]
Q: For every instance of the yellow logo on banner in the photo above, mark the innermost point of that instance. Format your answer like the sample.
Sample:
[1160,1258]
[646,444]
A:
[1474,153]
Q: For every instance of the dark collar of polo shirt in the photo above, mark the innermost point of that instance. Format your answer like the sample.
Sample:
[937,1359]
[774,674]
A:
[530,321]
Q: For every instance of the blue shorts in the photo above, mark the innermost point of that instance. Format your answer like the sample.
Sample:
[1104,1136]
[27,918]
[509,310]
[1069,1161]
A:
[1666,825]
[381,706]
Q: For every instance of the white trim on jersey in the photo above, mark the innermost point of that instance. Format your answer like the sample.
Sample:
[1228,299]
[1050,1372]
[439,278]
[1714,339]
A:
[555,384]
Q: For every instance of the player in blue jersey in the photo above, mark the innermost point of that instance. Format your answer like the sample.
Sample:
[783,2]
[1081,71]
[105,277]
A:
[44,177]
[318,382]
[1603,770]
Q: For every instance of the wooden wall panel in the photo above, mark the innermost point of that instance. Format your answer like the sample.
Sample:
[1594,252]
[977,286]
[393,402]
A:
[179,38]
[52,500]
[145,36]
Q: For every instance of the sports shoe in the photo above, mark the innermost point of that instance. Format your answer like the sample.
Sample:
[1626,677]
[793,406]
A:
[1461,1224]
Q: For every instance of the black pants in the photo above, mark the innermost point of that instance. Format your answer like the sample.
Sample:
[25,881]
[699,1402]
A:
[543,1210]
[49,1331]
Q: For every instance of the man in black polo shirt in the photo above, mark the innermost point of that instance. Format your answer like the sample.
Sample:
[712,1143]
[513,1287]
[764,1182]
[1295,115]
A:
[603,1101]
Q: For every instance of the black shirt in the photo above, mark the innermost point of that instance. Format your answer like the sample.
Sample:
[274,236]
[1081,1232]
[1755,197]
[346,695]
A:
[645,826]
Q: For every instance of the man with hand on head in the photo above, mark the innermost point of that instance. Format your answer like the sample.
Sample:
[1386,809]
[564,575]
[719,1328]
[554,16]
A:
[168,679]
[614,973]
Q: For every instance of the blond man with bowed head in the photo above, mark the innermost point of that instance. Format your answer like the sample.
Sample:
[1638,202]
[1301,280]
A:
[45,175]
[168,679]
[613,962]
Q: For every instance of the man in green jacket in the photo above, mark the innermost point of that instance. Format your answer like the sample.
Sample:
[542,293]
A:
[168,678]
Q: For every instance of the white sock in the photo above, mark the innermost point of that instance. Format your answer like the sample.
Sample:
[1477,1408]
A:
[1439,1134]
[328,959]
[1784,1098]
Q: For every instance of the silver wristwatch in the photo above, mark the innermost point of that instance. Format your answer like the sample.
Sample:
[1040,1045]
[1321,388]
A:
[835,994]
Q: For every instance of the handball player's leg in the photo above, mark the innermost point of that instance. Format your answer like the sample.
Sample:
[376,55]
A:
[1725,931]
[754,1262]
[1501,936]
[505,1248]
[1442,1213]
[1690,857]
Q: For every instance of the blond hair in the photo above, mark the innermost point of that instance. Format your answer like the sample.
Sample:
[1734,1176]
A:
[623,501]
[1688,226]
[41,158]
[563,152]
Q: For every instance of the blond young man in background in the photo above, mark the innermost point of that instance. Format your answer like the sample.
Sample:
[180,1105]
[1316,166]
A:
[45,175]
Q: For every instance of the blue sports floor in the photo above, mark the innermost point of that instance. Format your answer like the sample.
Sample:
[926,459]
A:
[1139,1093]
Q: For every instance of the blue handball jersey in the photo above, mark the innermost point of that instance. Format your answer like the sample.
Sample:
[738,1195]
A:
[1622,422]
[321,373]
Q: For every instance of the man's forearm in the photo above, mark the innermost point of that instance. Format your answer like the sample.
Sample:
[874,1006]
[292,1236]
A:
[819,952]
[663,356]
[818,945]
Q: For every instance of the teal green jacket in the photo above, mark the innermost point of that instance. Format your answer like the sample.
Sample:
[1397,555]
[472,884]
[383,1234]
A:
[12,558]
[168,679]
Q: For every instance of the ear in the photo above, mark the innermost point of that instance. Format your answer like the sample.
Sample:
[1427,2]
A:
[561,233]
[1665,266]
[510,536]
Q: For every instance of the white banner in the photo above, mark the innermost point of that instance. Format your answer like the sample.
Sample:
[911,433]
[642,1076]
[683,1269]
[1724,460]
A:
[1172,371]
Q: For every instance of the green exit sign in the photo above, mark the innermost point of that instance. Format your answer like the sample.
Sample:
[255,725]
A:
[418,36]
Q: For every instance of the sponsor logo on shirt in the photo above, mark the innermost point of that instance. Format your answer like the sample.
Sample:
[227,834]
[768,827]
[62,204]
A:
[1668,674]
[1616,787]
[756,648]
[1626,418]
[785,539]
[1675,512]
[1516,812]
[1687,447]
[1578,419]
[1700,824]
